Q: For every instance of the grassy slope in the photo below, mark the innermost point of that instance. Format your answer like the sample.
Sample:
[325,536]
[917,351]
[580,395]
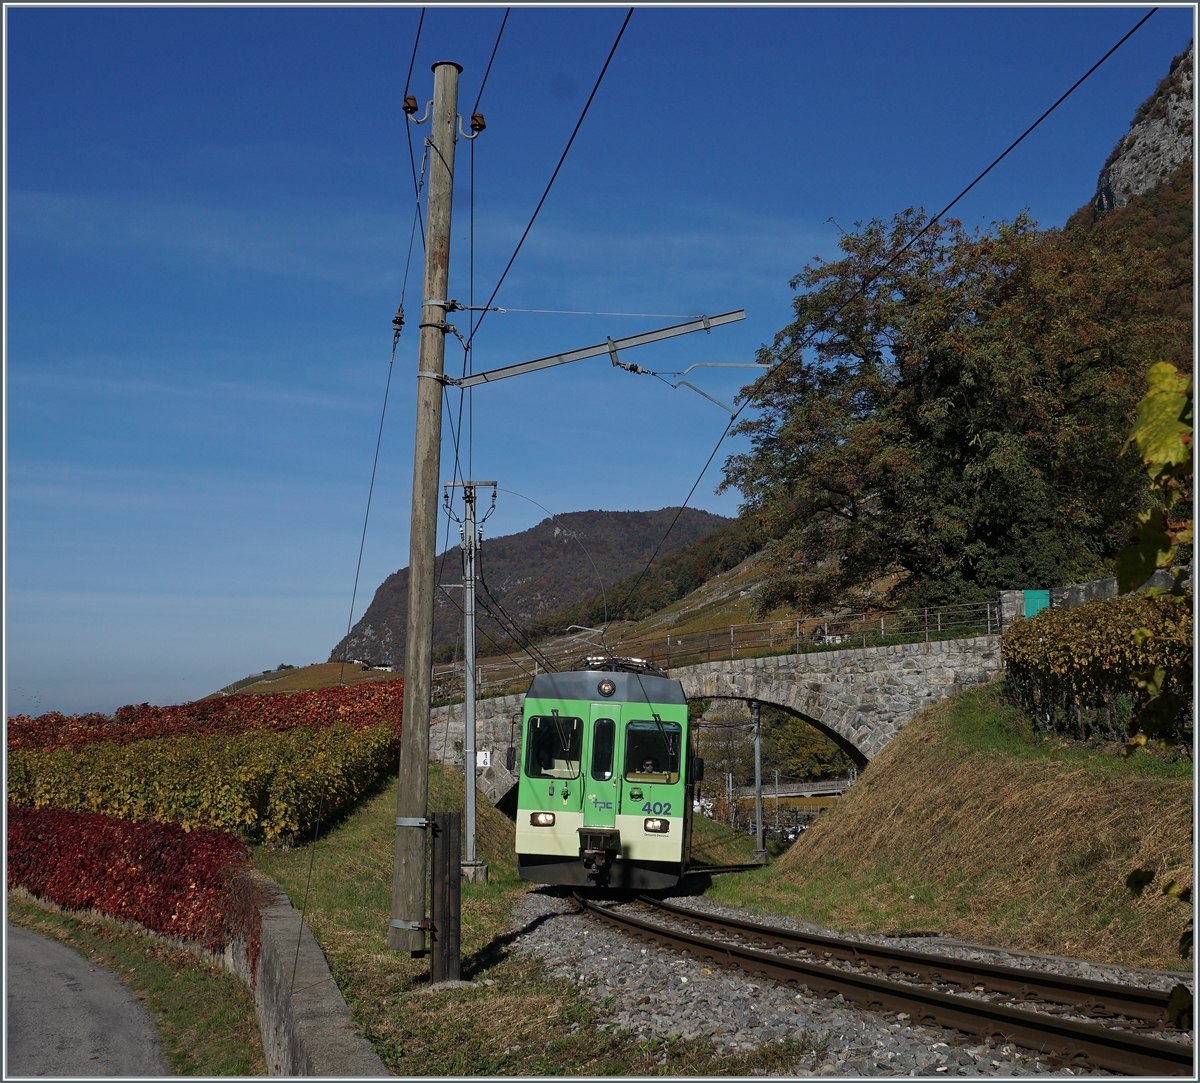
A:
[517,1021]
[320,675]
[971,825]
[716,844]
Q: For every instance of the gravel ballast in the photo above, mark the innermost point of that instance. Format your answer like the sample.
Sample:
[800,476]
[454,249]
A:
[655,992]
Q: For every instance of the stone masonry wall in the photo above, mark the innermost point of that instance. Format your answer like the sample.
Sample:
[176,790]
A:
[493,721]
[861,698]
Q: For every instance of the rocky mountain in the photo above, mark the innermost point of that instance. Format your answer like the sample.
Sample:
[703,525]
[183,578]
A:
[1159,139]
[1144,197]
[532,574]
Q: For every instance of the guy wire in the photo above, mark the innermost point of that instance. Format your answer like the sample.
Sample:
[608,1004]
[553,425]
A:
[370,493]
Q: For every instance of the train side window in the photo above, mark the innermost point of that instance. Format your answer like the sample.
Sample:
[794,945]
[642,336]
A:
[604,739]
[647,757]
[553,743]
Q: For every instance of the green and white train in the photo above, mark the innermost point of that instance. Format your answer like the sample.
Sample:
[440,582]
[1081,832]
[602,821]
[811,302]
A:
[607,773]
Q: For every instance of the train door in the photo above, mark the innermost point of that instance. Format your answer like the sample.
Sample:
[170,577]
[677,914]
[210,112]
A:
[603,771]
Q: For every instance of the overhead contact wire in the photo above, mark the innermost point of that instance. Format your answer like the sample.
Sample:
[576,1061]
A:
[562,158]
[522,638]
[500,649]
[488,70]
[408,126]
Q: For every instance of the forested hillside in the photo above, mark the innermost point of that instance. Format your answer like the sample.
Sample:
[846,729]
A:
[666,580]
[532,574]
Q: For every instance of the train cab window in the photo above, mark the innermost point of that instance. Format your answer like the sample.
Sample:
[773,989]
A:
[553,745]
[650,758]
[604,739]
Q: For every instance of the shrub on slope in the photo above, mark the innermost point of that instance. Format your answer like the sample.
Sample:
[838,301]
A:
[260,782]
[182,884]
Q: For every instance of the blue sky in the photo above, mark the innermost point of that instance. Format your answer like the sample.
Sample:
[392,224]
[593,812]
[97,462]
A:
[208,212]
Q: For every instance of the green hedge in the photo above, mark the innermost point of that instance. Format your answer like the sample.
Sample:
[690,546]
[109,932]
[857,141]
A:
[262,783]
[1075,671]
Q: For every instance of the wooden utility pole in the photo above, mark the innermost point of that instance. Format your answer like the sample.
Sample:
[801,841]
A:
[406,930]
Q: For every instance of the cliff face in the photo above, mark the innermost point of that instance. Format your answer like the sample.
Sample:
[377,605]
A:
[1159,139]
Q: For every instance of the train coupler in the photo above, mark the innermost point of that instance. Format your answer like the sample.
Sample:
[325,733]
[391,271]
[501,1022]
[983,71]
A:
[598,847]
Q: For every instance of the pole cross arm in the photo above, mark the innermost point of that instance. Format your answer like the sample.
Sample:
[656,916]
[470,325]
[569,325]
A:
[609,346]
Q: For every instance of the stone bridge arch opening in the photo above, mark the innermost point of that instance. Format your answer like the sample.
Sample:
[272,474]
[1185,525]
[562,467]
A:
[861,698]
[855,754]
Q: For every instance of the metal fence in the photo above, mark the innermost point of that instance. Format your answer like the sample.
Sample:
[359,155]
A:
[798,635]
[801,635]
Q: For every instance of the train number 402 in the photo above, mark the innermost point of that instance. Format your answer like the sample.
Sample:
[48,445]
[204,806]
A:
[659,808]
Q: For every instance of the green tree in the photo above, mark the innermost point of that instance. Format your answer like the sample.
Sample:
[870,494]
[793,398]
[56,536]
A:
[954,425]
[800,750]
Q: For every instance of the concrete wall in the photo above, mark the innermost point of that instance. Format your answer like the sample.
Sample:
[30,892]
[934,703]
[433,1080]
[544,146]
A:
[306,1025]
[1012,602]
[1078,593]
[306,1030]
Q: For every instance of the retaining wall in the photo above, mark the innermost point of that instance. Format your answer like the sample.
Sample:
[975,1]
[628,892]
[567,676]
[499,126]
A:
[306,1025]
[306,1030]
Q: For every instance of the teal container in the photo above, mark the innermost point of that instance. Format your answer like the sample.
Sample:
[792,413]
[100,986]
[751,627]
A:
[1035,602]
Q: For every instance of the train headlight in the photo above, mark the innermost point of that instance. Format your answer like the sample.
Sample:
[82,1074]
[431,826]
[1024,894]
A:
[658,826]
[542,819]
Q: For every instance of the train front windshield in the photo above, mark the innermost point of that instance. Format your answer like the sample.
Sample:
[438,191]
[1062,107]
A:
[553,746]
[652,752]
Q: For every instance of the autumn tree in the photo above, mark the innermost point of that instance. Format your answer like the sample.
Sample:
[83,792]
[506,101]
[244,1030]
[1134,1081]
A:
[953,425]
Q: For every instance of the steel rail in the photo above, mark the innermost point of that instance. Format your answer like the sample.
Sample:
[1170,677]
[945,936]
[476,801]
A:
[1094,997]
[717,870]
[1073,1042]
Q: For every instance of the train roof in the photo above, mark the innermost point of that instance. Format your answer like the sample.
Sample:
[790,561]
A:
[584,685]
[612,663]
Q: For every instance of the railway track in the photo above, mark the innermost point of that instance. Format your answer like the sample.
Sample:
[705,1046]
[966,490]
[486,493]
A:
[717,870]
[829,966]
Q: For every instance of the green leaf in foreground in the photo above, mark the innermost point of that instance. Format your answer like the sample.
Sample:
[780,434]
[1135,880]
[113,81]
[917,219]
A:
[1163,428]
[1179,1007]
[1148,549]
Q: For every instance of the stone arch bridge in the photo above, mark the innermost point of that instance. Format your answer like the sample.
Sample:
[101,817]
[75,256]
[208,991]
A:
[859,698]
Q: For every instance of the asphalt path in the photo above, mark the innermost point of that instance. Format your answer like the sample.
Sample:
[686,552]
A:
[68,1016]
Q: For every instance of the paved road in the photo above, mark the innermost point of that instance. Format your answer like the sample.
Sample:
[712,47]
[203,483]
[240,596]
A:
[67,1017]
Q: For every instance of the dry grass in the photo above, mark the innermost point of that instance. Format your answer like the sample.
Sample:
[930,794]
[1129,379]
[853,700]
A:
[971,825]
[321,675]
